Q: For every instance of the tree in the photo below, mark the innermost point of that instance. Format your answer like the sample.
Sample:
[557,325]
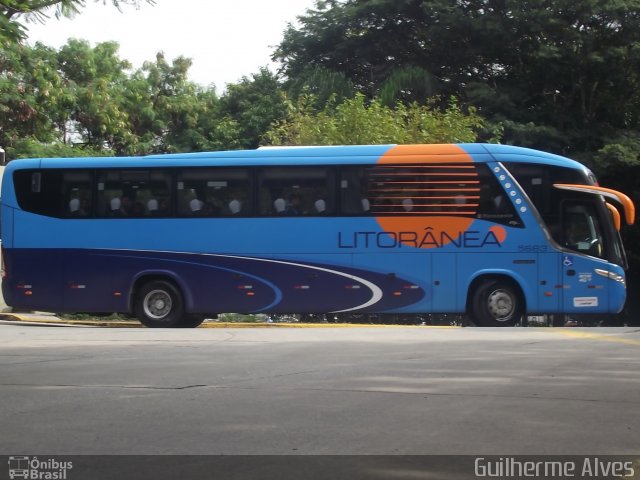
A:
[32,94]
[559,74]
[169,106]
[254,103]
[168,113]
[408,84]
[12,30]
[84,98]
[96,78]
[356,121]
[366,40]
[323,84]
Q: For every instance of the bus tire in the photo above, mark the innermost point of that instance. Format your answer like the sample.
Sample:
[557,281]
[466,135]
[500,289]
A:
[496,303]
[191,321]
[159,304]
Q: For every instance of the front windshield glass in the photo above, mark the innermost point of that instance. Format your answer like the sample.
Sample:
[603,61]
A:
[564,210]
[582,231]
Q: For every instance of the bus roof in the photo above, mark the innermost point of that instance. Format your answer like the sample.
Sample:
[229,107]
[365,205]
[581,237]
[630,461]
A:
[311,155]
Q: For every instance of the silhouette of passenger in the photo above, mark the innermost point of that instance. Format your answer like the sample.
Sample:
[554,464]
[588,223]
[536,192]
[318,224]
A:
[295,205]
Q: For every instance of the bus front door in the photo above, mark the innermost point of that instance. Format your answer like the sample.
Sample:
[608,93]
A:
[584,291]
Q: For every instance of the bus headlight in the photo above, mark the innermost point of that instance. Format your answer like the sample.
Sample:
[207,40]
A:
[611,275]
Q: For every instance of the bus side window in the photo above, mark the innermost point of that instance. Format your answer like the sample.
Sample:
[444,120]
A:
[109,193]
[302,191]
[77,194]
[156,197]
[134,193]
[495,205]
[38,191]
[353,191]
[214,192]
[36,182]
[422,189]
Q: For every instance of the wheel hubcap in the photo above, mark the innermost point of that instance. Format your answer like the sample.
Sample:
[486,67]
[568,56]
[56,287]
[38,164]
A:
[501,305]
[157,304]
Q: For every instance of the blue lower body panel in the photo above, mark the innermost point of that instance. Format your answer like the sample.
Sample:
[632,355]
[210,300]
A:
[104,280]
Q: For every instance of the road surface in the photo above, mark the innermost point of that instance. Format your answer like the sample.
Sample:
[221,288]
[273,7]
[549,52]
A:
[385,391]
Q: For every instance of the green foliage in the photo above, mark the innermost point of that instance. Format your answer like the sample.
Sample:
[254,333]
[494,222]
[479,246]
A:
[620,155]
[408,83]
[241,318]
[356,121]
[33,148]
[12,30]
[83,100]
[165,108]
[31,93]
[96,77]
[564,74]
[323,84]
[253,103]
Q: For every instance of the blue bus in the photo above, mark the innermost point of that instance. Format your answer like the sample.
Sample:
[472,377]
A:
[492,231]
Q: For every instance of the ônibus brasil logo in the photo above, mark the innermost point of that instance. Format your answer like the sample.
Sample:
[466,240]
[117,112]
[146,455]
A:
[38,469]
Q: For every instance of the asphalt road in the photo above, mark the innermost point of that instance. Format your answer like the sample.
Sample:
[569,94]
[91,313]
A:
[386,391]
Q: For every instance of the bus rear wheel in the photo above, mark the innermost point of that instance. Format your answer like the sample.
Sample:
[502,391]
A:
[159,304]
[496,303]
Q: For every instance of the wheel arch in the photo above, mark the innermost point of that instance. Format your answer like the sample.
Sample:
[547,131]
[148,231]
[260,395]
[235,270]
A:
[146,276]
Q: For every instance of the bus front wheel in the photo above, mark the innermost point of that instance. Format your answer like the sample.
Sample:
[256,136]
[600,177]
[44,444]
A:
[159,304]
[496,303]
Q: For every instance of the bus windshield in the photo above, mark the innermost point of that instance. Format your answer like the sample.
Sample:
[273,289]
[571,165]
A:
[569,202]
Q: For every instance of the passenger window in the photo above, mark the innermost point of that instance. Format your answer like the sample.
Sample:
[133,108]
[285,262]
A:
[463,190]
[55,193]
[134,193]
[411,190]
[297,191]
[214,192]
[354,194]
[494,204]
[77,194]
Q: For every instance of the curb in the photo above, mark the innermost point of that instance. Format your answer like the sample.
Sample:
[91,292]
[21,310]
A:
[30,317]
[53,320]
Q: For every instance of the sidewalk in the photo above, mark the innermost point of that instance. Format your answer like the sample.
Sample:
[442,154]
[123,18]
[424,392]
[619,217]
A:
[40,317]
[30,316]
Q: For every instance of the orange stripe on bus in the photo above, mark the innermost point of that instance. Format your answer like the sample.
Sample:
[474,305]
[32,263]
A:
[471,182]
[431,212]
[444,153]
[429,197]
[434,174]
[465,167]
